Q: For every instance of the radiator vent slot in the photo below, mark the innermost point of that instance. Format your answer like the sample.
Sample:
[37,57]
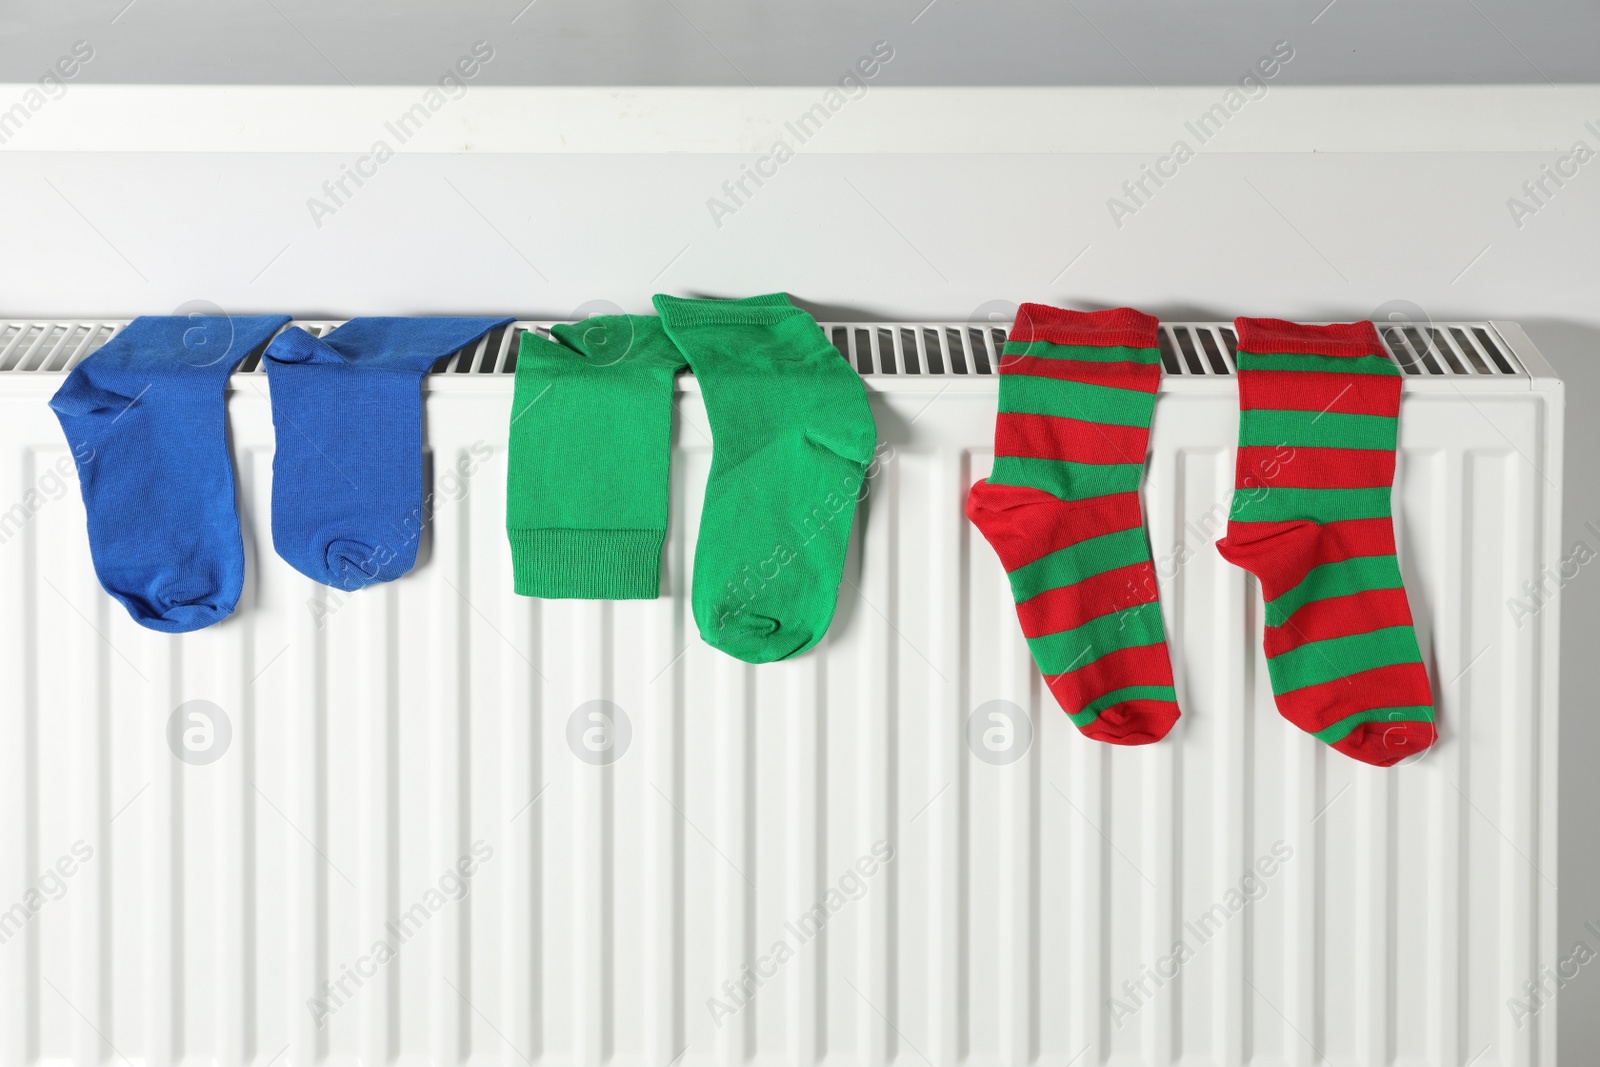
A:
[887,349]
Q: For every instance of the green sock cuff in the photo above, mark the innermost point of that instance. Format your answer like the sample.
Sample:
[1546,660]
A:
[587,564]
[751,311]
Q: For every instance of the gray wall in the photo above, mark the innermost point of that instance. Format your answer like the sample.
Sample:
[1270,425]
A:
[758,42]
[1575,350]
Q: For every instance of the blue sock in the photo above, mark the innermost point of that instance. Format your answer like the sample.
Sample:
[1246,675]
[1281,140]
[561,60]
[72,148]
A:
[347,506]
[146,422]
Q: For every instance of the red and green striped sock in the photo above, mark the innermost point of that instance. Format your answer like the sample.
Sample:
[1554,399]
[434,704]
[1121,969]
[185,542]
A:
[1319,409]
[1061,509]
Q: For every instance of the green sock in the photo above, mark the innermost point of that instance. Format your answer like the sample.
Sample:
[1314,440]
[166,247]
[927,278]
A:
[586,485]
[792,437]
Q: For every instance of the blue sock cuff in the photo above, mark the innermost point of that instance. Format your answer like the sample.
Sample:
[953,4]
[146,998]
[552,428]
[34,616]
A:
[384,343]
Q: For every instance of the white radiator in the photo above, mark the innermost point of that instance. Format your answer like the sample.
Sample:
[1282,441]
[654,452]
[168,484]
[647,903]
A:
[354,753]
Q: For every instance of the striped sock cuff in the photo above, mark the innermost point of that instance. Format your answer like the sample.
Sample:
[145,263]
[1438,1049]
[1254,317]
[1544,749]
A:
[1111,327]
[1334,339]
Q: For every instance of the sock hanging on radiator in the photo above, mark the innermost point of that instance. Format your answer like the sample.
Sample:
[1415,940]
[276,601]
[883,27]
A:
[1319,409]
[792,440]
[347,506]
[1077,391]
[146,422]
[586,482]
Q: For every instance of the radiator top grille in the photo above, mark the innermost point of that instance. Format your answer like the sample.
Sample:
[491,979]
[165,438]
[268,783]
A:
[908,349]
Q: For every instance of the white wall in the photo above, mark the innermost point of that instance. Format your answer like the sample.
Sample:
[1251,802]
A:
[1305,235]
